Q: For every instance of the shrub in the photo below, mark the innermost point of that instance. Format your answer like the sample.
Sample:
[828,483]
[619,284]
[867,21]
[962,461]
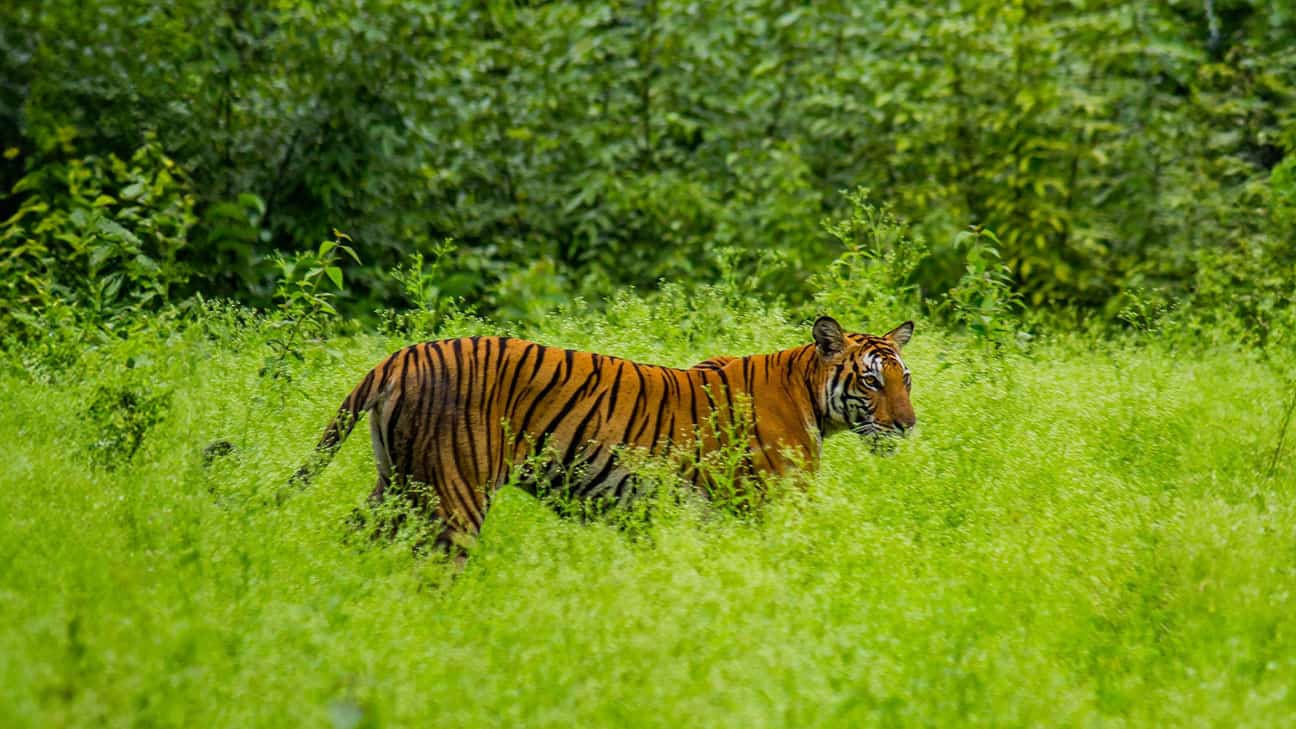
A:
[872,280]
[984,302]
[99,233]
[305,308]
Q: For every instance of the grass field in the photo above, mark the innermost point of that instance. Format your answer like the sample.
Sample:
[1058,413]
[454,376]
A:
[1088,533]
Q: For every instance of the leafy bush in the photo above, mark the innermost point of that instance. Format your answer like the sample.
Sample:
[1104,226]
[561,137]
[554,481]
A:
[305,307]
[575,148]
[99,233]
[984,301]
[872,280]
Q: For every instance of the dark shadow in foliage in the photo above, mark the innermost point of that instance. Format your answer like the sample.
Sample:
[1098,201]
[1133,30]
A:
[404,512]
[220,461]
[216,449]
[645,496]
[721,481]
[122,416]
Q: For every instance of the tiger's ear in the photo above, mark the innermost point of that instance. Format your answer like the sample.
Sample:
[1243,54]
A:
[900,335]
[828,337]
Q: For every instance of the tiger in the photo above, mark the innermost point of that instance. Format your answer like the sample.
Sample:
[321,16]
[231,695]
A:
[461,416]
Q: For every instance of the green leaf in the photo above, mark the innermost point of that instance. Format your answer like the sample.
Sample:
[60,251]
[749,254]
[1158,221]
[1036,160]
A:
[253,202]
[113,229]
[133,191]
[350,252]
[99,255]
[335,274]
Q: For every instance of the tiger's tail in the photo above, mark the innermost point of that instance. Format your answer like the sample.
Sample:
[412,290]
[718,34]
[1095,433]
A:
[361,400]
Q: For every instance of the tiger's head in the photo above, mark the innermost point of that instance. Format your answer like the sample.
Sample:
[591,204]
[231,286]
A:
[866,389]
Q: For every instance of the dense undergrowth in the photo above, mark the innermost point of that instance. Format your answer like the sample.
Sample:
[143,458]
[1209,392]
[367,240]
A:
[1086,527]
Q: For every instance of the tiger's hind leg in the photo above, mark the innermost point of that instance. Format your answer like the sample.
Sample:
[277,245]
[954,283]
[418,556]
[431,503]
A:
[462,511]
[378,521]
[382,461]
[455,543]
[408,504]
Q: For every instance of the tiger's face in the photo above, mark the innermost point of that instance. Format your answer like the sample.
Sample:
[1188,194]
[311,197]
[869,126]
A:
[867,386]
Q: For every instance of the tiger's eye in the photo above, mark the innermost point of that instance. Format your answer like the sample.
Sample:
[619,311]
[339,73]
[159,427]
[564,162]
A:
[871,381]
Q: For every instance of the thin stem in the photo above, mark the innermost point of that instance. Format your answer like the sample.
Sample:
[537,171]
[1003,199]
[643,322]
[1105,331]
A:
[1282,433]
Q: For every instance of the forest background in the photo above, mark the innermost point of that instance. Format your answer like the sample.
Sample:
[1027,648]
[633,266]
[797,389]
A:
[1129,158]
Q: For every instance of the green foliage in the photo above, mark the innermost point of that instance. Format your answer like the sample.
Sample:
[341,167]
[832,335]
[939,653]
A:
[1244,292]
[727,474]
[1144,311]
[426,286]
[578,148]
[983,301]
[299,291]
[406,516]
[122,416]
[305,306]
[649,179]
[101,234]
[427,292]
[528,293]
[872,280]
[1283,185]
[1134,575]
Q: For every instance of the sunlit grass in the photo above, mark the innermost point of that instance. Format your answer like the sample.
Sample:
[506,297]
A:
[1083,534]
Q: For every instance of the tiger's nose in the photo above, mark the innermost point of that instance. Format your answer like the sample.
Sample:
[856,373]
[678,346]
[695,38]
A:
[903,424]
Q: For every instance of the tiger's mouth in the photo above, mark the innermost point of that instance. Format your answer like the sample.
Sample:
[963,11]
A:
[865,428]
[870,428]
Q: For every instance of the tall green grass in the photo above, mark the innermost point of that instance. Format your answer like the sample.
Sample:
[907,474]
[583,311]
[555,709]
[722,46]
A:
[1084,533]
